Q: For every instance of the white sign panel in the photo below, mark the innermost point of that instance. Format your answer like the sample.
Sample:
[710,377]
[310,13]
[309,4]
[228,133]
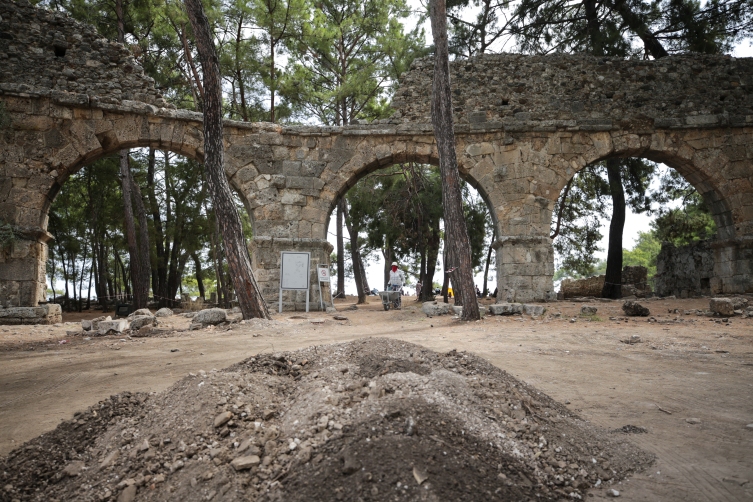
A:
[294,270]
[323,274]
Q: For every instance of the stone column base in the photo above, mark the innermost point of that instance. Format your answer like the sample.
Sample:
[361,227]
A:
[733,265]
[22,268]
[265,259]
[525,266]
[44,314]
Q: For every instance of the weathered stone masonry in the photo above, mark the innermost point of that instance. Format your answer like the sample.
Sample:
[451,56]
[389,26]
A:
[525,126]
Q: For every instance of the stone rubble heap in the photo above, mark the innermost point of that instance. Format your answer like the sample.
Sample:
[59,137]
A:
[366,420]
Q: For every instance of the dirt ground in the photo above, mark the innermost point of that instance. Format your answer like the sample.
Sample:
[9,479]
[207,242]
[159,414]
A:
[687,380]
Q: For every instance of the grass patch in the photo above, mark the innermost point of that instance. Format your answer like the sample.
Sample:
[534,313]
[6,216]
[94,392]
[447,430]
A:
[593,318]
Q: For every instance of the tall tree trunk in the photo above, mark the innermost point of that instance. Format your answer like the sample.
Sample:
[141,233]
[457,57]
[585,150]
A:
[224,298]
[485,291]
[387,254]
[340,251]
[130,229]
[145,265]
[355,256]
[431,264]
[445,276]
[81,281]
[89,289]
[159,276]
[251,302]
[444,133]
[199,278]
[613,277]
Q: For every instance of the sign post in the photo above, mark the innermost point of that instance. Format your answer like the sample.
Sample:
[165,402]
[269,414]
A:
[294,273]
[323,274]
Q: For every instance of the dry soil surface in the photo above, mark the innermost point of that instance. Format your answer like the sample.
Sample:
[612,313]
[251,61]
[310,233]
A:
[686,380]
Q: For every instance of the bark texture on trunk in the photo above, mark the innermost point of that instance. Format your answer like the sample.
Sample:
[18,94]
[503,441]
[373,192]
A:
[139,301]
[613,279]
[251,302]
[359,275]
[444,133]
[145,264]
[340,252]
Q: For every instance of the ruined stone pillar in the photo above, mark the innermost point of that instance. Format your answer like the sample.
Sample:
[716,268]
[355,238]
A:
[265,259]
[22,271]
[525,266]
[733,265]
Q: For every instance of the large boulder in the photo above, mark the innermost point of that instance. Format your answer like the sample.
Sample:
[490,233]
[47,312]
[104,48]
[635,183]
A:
[140,312]
[459,310]
[722,306]
[139,322]
[635,309]
[588,310]
[435,308]
[210,316]
[533,310]
[739,303]
[164,312]
[116,326]
[506,308]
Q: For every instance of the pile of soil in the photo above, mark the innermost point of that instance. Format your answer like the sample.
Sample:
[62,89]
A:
[373,419]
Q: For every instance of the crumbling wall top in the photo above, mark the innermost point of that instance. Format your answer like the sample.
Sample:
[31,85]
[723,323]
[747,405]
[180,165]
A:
[585,92]
[45,52]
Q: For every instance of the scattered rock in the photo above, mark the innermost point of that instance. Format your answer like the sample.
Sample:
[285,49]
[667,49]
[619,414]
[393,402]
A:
[436,308]
[722,306]
[140,312]
[74,468]
[222,419]
[506,309]
[247,462]
[693,420]
[459,310]
[128,494]
[93,324]
[117,326]
[339,318]
[588,310]
[210,316]
[635,309]
[331,310]
[533,310]
[613,493]
[164,312]
[141,321]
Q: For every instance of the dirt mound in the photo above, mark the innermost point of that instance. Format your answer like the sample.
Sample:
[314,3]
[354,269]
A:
[373,419]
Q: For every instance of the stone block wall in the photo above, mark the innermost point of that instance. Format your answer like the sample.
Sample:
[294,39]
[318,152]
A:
[733,265]
[46,53]
[265,260]
[685,271]
[22,268]
[568,90]
[634,282]
[44,314]
[525,266]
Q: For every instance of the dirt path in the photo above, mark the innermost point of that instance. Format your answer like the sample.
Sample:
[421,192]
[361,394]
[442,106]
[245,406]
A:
[695,368]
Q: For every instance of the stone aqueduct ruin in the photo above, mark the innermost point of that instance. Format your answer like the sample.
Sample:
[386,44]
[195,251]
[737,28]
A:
[524,125]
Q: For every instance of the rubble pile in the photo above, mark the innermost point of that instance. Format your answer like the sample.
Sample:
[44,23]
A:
[373,419]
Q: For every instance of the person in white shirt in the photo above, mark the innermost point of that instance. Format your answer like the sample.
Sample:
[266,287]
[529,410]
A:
[397,278]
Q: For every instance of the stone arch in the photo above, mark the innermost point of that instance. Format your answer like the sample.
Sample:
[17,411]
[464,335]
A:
[711,163]
[400,152]
[675,152]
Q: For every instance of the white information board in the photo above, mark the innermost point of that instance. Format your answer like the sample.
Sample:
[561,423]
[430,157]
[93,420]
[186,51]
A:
[294,270]
[294,273]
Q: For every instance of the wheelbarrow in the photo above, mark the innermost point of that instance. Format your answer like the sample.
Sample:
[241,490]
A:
[391,297]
